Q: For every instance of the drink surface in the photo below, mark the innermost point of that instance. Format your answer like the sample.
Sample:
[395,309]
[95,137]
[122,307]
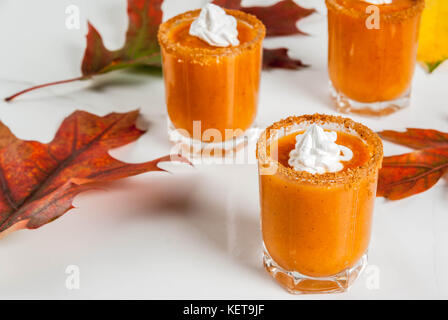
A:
[361,153]
[180,34]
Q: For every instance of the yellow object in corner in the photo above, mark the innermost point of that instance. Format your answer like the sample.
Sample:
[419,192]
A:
[433,42]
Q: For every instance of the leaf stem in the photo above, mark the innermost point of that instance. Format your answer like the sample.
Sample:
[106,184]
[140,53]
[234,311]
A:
[7,99]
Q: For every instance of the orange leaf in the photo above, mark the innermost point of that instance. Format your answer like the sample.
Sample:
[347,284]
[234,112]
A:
[417,138]
[412,173]
[39,181]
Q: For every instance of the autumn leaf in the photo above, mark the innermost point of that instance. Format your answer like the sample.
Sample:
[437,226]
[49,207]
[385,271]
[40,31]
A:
[416,138]
[229,4]
[279,58]
[412,173]
[431,66]
[141,46]
[280,19]
[39,181]
[6,136]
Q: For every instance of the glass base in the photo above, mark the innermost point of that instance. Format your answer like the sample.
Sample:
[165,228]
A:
[381,108]
[298,283]
[196,150]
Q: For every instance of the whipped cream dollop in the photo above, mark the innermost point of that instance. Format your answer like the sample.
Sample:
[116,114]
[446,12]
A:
[215,27]
[316,151]
[378,1]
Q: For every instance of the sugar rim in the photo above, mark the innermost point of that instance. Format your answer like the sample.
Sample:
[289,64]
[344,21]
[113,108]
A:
[348,175]
[406,13]
[173,47]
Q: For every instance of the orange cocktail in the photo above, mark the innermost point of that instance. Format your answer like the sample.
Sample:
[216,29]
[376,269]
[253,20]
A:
[372,54]
[211,92]
[316,226]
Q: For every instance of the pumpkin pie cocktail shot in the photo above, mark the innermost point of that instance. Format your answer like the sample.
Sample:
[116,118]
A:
[318,176]
[211,66]
[372,52]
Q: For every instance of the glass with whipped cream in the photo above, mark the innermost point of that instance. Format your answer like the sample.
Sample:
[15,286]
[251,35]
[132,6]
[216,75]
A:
[212,62]
[318,177]
[372,51]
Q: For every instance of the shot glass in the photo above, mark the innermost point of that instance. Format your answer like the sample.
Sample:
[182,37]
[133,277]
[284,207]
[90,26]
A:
[372,52]
[316,227]
[211,92]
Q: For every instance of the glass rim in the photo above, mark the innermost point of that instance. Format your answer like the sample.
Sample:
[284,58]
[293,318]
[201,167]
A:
[414,9]
[351,175]
[172,47]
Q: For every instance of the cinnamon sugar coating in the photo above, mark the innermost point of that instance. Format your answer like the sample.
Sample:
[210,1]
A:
[346,176]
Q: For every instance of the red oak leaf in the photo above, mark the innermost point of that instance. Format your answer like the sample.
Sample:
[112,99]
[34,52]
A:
[141,46]
[280,19]
[39,181]
[416,138]
[412,173]
[279,58]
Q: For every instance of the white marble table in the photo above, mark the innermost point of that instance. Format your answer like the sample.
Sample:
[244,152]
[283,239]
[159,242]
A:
[194,234]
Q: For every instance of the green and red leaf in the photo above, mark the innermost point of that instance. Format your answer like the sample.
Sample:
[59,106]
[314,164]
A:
[141,46]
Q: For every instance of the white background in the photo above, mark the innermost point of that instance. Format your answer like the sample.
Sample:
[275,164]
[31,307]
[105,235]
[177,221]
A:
[194,234]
